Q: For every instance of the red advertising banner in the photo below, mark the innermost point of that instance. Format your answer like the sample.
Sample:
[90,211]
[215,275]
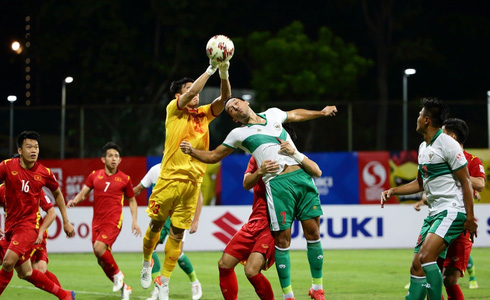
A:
[374,176]
[71,174]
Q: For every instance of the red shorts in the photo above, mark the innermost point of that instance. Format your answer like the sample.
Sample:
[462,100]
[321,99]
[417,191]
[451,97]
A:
[106,234]
[458,253]
[254,236]
[20,241]
[39,252]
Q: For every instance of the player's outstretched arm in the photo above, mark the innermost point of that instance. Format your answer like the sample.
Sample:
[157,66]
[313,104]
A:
[206,156]
[47,221]
[219,103]
[80,197]
[60,202]
[300,114]
[412,187]
[133,207]
[138,189]
[197,85]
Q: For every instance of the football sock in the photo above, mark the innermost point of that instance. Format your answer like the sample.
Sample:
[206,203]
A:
[262,286]
[40,280]
[314,252]
[418,288]
[283,266]
[156,263]
[471,269]
[228,284]
[149,241]
[108,264]
[186,265]
[454,292]
[434,280]
[52,277]
[172,252]
[5,278]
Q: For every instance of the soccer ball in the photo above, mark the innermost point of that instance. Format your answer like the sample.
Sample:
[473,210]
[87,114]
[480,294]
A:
[220,48]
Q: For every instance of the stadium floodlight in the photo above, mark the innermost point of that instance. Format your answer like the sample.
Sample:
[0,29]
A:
[406,73]
[11,99]
[66,81]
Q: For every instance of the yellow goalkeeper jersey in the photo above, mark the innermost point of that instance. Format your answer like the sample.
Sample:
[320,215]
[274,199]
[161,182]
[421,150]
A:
[185,125]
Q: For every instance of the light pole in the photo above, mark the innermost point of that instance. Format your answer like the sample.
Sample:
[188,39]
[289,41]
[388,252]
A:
[11,99]
[63,113]
[406,73]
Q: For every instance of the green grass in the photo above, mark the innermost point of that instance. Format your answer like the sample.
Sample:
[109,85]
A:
[348,274]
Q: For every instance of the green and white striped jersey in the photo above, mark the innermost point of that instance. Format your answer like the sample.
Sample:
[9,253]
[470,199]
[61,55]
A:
[260,140]
[438,160]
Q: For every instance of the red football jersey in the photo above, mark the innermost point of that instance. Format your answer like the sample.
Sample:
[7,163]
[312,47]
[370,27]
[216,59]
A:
[23,190]
[109,192]
[259,206]
[475,166]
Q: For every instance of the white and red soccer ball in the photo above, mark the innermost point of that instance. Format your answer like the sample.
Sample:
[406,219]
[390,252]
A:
[220,48]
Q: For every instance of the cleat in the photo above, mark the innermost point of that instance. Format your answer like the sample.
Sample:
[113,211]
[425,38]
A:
[162,288]
[317,295]
[473,284]
[145,276]
[196,290]
[70,295]
[125,292]
[118,281]
[154,294]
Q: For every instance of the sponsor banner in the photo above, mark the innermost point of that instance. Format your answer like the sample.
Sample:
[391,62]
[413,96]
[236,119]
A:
[339,183]
[342,227]
[71,174]
[374,176]
[403,169]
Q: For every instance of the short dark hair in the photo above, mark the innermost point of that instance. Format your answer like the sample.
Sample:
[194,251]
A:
[436,110]
[110,145]
[28,134]
[457,127]
[176,86]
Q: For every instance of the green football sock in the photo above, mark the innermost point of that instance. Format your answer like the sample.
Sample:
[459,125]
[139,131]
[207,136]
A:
[186,265]
[156,263]
[471,269]
[314,252]
[434,280]
[418,288]
[283,266]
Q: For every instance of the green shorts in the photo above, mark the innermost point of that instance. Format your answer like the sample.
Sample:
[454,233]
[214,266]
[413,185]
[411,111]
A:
[447,224]
[292,196]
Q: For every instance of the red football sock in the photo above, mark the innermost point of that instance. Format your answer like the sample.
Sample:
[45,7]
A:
[53,278]
[5,278]
[228,284]
[454,292]
[262,286]
[42,281]
[108,264]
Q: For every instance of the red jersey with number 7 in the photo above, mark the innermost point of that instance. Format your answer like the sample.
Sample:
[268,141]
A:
[23,189]
[109,193]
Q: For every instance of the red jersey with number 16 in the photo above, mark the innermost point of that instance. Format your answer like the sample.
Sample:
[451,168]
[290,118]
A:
[23,189]
[109,192]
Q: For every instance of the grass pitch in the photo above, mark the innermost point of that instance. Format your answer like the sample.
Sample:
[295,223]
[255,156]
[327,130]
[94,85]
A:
[348,274]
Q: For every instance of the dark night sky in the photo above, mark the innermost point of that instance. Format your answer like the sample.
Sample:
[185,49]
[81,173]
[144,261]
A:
[465,61]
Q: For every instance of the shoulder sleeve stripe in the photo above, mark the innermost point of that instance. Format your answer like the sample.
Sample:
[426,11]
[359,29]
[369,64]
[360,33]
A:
[226,145]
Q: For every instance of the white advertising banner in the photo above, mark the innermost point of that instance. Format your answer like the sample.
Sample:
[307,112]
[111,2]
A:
[342,227]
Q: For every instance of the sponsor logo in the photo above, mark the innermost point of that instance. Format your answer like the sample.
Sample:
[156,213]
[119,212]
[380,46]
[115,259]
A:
[100,176]
[282,266]
[227,224]
[374,176]
[104,236]
[14,173]
[15,243]
[265,246]
[319,257]
[277,126]
[38,177]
